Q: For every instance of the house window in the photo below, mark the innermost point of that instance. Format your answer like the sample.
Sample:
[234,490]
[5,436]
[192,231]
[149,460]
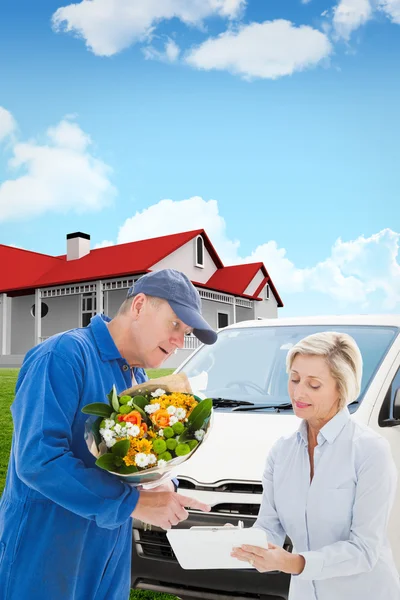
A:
[44,309]
[266,292]
[223,320]
[88,308]
[199,251]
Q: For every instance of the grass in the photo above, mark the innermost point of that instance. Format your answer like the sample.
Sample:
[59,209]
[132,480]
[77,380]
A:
[8,378]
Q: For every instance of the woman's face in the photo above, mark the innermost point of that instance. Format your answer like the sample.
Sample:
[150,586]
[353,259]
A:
[312,389]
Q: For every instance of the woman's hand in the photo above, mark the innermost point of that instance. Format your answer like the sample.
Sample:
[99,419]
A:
[273,559]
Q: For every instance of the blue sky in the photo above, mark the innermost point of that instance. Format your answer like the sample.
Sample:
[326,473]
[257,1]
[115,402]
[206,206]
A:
[274,125]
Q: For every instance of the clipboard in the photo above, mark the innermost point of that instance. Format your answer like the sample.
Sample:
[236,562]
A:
[211,547]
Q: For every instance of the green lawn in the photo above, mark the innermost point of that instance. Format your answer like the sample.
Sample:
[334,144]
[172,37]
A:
[8,378]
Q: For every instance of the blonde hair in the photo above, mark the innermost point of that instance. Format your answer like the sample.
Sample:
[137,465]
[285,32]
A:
[342,356]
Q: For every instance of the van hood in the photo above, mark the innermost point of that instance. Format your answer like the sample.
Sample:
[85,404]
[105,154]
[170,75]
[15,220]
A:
[237,445]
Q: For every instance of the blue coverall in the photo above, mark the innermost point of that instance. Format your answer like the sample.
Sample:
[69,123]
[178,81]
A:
[65,525]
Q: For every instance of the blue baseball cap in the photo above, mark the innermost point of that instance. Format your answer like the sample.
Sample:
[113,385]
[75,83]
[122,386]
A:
[181,295]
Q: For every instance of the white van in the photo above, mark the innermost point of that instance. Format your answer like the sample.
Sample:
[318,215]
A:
[248,380]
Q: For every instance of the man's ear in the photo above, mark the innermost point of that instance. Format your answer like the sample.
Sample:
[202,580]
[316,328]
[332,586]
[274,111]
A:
[138,305]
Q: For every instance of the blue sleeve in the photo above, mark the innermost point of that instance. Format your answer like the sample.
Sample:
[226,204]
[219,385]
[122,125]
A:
[46,402]
[268,518]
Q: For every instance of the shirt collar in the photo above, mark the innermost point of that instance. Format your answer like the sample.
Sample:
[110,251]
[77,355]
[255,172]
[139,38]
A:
[105,344]
[331,430]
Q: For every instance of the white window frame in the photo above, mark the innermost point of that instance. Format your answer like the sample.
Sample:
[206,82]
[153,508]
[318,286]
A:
[196,255]
[267,292]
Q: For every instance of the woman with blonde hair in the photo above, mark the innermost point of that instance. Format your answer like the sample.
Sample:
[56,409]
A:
[330,486]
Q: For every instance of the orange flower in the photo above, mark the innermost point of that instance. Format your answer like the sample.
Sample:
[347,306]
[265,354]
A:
[133,417]
[161,417]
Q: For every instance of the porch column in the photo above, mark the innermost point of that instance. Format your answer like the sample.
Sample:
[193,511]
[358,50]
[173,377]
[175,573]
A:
[106,304]
[38,316]
[5,324]
[99,297]
[234,309]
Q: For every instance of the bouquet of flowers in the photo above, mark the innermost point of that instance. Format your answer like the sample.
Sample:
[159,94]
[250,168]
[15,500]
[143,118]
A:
[143,435]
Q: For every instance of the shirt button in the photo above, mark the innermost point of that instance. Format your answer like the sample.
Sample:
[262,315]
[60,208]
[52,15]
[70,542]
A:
[125,368]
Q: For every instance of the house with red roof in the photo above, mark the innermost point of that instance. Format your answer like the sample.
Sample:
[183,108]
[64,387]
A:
[41,295]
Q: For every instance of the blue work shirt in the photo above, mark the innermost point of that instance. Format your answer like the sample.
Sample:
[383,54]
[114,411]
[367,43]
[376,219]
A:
[338,522]
[65,524]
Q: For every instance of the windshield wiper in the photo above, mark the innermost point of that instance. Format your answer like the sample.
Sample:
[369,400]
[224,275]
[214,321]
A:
[276,408]
[225,402]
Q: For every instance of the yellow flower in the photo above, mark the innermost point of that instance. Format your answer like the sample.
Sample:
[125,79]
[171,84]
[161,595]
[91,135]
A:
[136,446]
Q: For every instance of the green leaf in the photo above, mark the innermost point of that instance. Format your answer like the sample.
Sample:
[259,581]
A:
[121,448]
[97,408]
[114,399]
[96,430]
[119,461]
[199,414]
[106,462]
[140,401]
[125,470]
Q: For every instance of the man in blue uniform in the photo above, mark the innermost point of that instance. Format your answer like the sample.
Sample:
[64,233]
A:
[65,524]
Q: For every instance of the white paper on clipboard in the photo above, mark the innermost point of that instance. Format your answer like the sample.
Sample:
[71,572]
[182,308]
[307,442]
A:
[211,547]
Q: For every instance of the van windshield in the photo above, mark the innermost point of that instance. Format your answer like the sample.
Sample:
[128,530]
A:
[248,364]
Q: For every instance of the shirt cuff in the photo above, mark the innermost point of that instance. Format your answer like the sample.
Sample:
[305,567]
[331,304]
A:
[313,567]
[176,483]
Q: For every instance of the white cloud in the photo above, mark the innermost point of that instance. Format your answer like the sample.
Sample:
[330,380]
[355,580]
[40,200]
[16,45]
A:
[104,244]
[59,175]
[358,275]
[170,53]
[109,26]
[269,50]
[391,8]
[350,15]
[173,217]
[7,124]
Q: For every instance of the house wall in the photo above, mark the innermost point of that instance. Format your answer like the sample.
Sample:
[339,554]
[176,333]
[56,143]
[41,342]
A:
[64,314]
[183,260]
[22,324]
[115,299]
[254,283]
[266,309]
[244,314]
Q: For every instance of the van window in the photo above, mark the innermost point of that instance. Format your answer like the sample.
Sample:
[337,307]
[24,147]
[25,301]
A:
[249,363]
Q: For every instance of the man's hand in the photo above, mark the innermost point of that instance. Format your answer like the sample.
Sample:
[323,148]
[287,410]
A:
[165,509]
[168,486]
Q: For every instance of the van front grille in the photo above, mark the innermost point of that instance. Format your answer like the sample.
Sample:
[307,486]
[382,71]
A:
[232,487]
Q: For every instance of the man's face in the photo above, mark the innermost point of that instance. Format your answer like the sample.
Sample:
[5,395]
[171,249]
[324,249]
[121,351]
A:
[157,332]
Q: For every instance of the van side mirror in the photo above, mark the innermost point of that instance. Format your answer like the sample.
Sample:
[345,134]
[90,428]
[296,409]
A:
[394,421]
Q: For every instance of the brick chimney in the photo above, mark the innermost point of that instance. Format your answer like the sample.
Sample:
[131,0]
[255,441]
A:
[78,245]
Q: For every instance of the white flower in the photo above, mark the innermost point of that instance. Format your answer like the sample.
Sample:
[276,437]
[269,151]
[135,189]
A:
[180,413]
[141,459]
[132,430]
[117,428]
[199,434]
[151,408]
[173,420]
[107,434]
[110,442]
[161,463]
[171,410]
[161,432]
[130,402]
[108,423]
[158,392]
[152,459]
